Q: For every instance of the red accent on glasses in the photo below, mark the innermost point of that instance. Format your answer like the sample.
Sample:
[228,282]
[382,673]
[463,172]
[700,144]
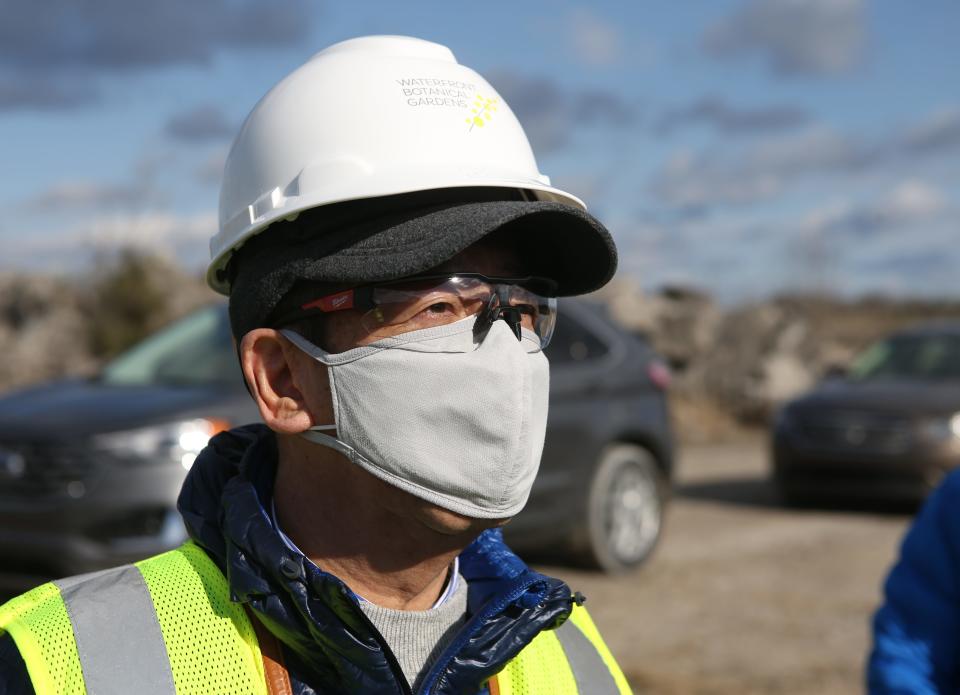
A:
[332,302]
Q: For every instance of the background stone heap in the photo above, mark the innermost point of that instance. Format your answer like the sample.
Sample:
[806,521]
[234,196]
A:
[53,326]
[733,366]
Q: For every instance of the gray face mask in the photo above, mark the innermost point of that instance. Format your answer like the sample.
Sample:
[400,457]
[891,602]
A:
[449,420]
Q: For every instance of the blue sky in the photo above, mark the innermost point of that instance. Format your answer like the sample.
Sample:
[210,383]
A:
[743,146]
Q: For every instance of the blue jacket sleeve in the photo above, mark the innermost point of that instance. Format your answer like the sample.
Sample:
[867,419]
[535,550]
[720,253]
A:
[915,631]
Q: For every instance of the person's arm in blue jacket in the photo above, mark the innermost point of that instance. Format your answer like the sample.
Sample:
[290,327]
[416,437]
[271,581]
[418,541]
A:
[915,631]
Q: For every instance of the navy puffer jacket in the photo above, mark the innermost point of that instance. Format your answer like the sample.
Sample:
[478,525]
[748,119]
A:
[331,645]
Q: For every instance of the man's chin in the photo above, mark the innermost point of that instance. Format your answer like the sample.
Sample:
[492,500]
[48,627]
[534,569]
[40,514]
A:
[454,524]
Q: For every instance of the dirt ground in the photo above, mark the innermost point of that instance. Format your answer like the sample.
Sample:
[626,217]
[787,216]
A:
[745,596]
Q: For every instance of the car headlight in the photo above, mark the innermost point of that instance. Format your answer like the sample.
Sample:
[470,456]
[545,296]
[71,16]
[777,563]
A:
[942,428]
[178,441]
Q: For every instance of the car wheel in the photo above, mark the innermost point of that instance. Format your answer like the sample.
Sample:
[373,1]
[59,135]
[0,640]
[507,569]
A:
[625,508]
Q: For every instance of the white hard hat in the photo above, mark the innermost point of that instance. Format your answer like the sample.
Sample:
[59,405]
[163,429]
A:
[369,117]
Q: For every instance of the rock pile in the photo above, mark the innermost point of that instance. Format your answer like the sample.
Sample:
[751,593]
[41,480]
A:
[58,326]
[40,319]
[746,360]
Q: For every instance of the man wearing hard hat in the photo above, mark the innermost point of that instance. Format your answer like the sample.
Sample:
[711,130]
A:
[392,262]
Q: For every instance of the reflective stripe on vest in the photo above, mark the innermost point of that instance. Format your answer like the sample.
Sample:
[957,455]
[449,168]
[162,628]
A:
[572,660]
[114,625]
[591,674]
[166,625]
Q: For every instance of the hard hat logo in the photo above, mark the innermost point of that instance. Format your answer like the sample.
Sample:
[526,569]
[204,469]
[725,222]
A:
[483,108]
[434,91]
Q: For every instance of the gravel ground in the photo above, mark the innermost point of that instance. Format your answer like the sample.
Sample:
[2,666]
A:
[743,595]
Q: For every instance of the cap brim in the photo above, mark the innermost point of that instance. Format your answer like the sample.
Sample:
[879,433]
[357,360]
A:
[558,241]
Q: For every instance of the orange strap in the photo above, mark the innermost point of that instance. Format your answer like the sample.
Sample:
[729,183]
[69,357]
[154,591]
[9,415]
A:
[274,670]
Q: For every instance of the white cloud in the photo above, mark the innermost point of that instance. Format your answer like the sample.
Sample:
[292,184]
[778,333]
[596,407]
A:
[796,37]
[552,112]
[762,169]
[914,200]
[155,230]
[595,41]
[210,171]
[907,204]
[200,123]
[897,238]
[72,195]
[729,118]
[939,130]
[183,237]
[687,180]
[756,173]
[52,53]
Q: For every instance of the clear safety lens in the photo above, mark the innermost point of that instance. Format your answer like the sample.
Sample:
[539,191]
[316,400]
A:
[413,305]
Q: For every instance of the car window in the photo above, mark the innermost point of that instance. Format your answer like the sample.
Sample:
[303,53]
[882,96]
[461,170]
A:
[573,342]
[196,350]
[913,356]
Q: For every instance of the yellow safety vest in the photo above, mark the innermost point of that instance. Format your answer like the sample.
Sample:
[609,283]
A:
[167,625]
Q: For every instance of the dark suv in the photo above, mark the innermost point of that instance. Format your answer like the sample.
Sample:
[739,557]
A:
[886,429]
[90,469]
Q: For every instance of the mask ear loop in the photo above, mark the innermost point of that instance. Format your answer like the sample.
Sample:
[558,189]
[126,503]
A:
[316,437]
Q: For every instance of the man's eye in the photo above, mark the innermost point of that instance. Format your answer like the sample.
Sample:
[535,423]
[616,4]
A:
[439,308]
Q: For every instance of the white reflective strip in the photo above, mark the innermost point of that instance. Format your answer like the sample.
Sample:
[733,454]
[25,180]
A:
[118,636]
[589,670]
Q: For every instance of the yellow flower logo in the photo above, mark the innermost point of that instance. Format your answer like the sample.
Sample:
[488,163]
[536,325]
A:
[482,110]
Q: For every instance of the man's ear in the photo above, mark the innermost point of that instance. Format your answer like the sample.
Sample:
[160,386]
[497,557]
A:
[271,366]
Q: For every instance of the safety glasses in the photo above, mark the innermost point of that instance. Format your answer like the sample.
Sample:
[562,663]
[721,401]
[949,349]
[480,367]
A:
[391,308]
